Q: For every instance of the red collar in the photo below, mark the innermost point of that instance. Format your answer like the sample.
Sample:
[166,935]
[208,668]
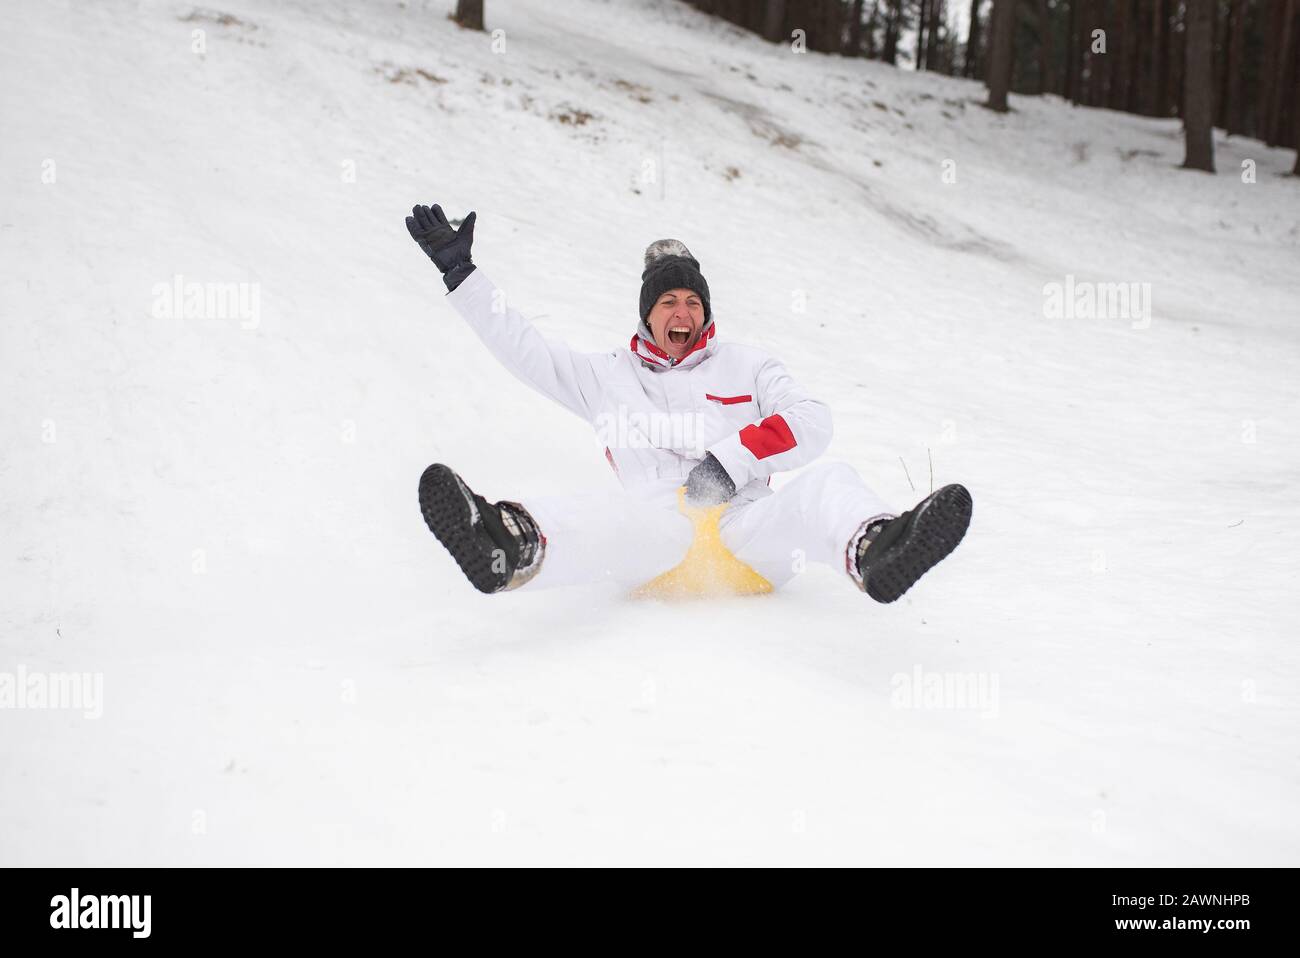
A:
[651,353]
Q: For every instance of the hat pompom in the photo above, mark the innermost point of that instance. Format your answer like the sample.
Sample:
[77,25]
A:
[666,247]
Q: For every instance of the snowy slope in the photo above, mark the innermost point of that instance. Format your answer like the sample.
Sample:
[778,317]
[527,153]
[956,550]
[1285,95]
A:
[219,516]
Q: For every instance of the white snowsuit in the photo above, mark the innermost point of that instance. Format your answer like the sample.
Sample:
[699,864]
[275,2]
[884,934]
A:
[657,419]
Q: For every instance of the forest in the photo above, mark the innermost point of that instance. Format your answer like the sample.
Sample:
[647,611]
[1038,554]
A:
[1230,64]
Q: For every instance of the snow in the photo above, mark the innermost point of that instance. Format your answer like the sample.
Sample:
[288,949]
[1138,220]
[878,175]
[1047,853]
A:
[218,515]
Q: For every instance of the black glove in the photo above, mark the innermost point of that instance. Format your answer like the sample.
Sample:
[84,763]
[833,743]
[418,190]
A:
[708,483]
[446,246]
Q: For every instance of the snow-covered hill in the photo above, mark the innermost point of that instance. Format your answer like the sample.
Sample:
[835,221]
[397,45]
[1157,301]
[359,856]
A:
[218,514]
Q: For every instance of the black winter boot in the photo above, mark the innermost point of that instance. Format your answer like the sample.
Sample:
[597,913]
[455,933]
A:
[497,545]
[889,555]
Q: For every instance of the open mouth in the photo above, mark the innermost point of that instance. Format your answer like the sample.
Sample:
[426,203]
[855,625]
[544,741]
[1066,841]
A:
[679,335]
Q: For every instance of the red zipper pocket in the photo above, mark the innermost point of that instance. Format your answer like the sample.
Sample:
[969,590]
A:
[728,400]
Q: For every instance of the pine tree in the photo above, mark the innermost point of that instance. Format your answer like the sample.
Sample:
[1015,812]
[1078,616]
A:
[1198,87]
[1001,50]
[469,14]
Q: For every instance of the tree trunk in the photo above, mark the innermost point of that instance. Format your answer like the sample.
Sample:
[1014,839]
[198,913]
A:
[1166,48]
[1236,39]
[1084,90]
[1198,87]
[1153,79]
[469,14]
[1296,100]
[1135,63]
[774,20]
[1276,132]
[801,15]
[971,67]
[1074,51]
[1293,106]
[1178,62]
[1220,55]
[1127,76]
[853,46]
[1044,49]
[1114,58]
[833,25]
[1099,63]
[1123,40]
[1268,69]
[1001,45]
[804,17]
[920,33]
[873,22]
[890,52]
[932,37]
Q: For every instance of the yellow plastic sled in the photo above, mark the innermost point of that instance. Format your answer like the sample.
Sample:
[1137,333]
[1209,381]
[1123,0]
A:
[709,569]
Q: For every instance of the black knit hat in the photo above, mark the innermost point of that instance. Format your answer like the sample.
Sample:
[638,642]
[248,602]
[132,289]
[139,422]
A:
[670,265]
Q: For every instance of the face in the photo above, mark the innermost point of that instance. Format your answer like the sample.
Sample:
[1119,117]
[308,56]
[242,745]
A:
[676,320]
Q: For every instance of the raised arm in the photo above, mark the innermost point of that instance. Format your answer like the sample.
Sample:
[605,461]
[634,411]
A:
[548,366]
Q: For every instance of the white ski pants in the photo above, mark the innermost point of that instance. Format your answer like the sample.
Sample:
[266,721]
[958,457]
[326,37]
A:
[629,541]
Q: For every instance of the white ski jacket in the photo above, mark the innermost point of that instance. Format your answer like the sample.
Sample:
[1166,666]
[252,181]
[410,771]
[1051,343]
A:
[657,417]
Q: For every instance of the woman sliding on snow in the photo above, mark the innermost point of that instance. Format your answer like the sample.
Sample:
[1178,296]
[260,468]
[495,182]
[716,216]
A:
[676,408]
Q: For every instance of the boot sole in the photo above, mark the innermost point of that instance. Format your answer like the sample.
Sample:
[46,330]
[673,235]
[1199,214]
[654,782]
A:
[937,526]
[452,515]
